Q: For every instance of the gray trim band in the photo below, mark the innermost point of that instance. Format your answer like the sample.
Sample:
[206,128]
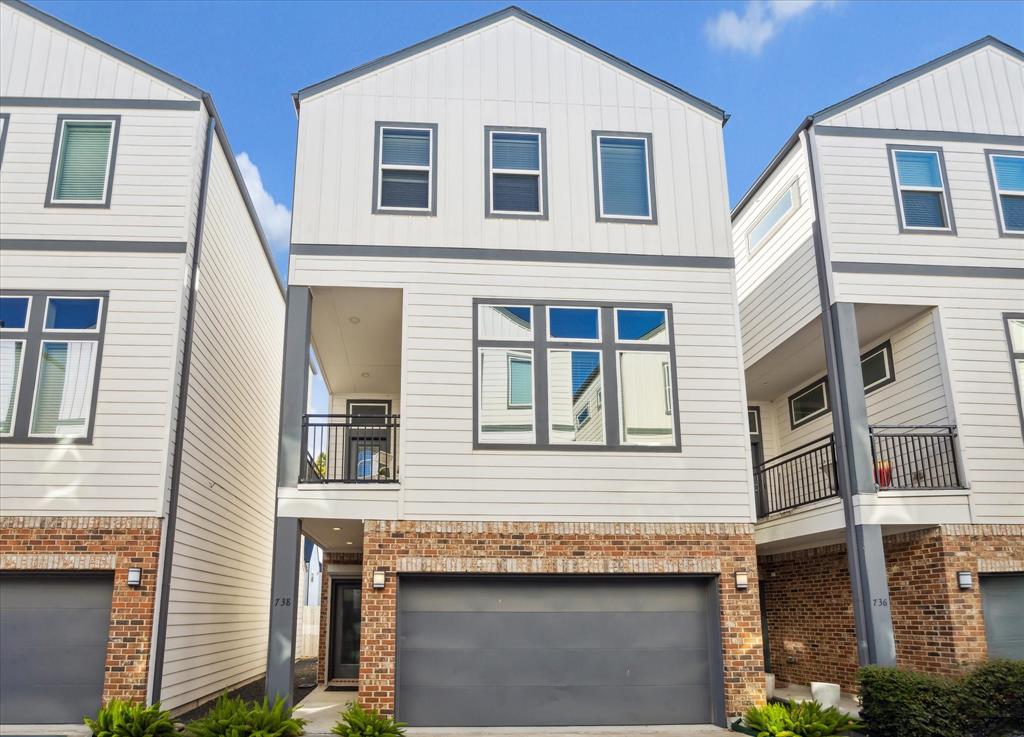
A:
[48,244]
[100,102]
[510,254]
[873,267]
[901,134]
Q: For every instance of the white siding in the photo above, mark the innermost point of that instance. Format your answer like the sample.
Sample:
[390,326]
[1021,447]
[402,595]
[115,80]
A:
[511,74]
[220,581]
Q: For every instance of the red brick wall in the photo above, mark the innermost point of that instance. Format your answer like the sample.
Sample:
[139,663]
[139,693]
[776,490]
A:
[524,547]
[98,544]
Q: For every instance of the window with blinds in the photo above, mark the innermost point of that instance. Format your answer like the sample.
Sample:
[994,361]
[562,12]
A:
[83,161]
[1007,172]
[406,169]
[624,177]
[923,198]
[516,175]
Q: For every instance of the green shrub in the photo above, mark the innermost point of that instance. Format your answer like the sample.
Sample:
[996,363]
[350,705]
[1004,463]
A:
[984,703]
[234,717]
[124,719]
[359,722]
[798,719]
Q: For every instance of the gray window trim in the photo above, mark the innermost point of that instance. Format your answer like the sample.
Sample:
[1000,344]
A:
[946,199]
[891,366]
[34,336]
[609,349]
[822,382]
[386,403]
[6,117]
[543,136]
[649,138]
[378,127]
[757,421]
[1014,356]
[109,184]
[989,153]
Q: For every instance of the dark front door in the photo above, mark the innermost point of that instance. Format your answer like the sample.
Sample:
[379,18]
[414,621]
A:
[345,623]
[368,440]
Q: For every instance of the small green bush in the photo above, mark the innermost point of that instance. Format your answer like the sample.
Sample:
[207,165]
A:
[798,719]
[125,719]
[359,722]
[235,717]
[984,703]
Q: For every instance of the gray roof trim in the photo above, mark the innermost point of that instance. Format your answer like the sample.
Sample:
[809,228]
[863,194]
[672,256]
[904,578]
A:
[772,166]
[906,134]
[907,76]
[87,246]
[982,272]
[99,102]
[510,12]
[142,66]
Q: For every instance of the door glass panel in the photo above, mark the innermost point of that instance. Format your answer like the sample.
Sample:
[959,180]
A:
[350,624]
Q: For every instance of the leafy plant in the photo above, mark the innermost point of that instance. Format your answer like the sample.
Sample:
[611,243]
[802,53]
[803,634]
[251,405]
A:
[234,717]
[359,722]
[798,719]
[125,719]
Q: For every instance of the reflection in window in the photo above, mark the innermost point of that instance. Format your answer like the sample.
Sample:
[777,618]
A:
[645,406]
[506,395]
[642,326]
[574,396]
[505,322]
[574,323]
[14,313]
[64,388]
[72,313]
[11,353]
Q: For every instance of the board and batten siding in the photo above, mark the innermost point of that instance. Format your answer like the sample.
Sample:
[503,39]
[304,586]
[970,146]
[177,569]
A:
[220,578]
[444,478]
[509,74]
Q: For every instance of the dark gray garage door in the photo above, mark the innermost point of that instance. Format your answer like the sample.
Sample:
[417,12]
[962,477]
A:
[556,651]
[53,645]
[1003,602]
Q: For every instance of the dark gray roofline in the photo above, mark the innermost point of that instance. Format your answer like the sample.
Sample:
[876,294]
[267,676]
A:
[772,166]
[510,12]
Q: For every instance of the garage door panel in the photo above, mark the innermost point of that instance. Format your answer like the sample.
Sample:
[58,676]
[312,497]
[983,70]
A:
[76,626]
[1003,603]
[55,665]
[54,704]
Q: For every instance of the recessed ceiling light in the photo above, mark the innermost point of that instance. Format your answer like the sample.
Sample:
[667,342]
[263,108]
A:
[348,542]
[366,374]
[336,529]
[354,320]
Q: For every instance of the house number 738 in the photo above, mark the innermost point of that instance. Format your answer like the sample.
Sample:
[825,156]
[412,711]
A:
[282,602]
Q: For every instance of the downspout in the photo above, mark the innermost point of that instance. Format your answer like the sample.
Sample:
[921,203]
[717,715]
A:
[166,561]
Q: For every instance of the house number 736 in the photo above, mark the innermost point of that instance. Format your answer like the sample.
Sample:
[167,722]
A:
[879,602]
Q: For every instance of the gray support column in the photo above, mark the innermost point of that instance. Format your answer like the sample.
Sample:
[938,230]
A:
[294,384]
[283,591]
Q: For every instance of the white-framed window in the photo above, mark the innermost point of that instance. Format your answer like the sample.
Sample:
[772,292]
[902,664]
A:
[14,311]
[575,406]
[520,381]
[808,403]
[877,368]
[575,324]
[12,360]
[5,123]
[624,181]
[68,314]
[406,168]
[1015,338]
[636,325]
[505,395]
[922,193]
[515,176]
[1007,172]
[753,421]
[769,223]
[505,322]
[83,164]
[645,398]
[63,390]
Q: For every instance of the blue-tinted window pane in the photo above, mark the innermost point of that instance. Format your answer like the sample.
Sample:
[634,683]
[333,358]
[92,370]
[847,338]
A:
[642,325]
[624,177]
[520,382]
[766,223]
[1013,212]
[918,168]
[515,151]
[923,210]
[1009,172]
[579,323]
[13,313]
[516,193]
[404,189]
[406,147]
[66,313]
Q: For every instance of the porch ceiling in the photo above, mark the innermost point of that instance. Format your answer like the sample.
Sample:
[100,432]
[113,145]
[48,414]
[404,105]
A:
[335,535]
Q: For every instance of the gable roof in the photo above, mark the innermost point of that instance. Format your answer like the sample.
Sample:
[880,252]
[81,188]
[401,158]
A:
[510,12]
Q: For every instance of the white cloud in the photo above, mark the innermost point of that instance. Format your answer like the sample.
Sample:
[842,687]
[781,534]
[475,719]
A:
[275,218]
[759,23]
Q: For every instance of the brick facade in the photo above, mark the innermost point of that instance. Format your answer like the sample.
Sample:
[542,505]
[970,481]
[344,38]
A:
[51,544]
[580,548]
[938,627]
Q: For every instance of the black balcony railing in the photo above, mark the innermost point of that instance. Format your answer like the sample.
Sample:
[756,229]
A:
[350,449]
[801,476]
[915,457]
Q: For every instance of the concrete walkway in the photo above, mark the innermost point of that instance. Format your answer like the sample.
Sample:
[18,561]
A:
[321,709]
[690,730]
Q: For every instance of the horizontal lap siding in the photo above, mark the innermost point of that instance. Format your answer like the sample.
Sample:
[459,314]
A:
[222,549]
[442,477]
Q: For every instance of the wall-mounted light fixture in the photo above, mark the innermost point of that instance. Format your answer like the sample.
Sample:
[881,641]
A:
[380,577]
[964,579]
[742,581]
[134,576]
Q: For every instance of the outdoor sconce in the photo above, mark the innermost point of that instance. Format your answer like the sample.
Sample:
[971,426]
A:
[134,576]
[380,577]
[964,579]
[741,581]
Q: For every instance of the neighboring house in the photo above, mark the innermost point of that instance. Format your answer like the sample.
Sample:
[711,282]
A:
[512,257]
[880,267]
[140,355]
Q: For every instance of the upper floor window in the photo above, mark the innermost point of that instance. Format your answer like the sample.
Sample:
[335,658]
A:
[783,206]
[405,168]
[1007,171]
[516,180]
[1015,338]
[82,169]
[624,184]
[922,192]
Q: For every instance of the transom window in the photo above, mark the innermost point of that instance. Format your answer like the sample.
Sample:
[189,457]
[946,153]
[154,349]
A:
[1007,172]
[406,168]
[516,177]
[922,194]
[783,206]
[624,186]
[50,347]
[574,376]
[81,172]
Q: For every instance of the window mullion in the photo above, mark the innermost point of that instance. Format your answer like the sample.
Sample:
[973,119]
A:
[610,376]
[541,410]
